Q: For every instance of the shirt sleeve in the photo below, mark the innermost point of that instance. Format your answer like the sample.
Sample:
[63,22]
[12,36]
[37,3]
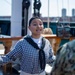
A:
[52,57]
[15,53]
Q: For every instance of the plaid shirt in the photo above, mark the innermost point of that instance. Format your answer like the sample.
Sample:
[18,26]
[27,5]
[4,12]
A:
[65,60]
[29,57]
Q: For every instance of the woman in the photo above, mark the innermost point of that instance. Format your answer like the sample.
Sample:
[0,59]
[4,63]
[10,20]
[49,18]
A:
[49,31]
[32,51]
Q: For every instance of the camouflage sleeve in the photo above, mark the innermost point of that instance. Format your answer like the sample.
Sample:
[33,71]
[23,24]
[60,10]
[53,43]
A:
[58,67]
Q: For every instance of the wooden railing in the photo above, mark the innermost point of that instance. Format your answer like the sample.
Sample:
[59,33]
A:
[7,42]
[57,41]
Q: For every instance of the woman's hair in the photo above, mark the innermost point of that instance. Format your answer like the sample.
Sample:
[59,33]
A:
[33,19]
[47,31]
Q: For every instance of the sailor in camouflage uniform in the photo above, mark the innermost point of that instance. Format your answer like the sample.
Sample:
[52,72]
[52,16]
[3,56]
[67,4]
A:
[65,60]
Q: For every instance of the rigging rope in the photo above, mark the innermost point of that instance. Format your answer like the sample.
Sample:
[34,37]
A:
[57,8]
[48,14]
[68,12]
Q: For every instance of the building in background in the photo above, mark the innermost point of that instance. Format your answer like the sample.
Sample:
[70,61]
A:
[73,12]
[5,25]
[63,12]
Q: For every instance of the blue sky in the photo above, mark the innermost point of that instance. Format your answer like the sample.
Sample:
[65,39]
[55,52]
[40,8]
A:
[55,7]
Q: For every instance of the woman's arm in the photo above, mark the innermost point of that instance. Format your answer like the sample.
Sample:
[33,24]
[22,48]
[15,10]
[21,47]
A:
[15,53]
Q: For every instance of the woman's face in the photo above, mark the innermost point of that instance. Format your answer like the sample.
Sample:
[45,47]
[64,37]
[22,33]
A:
[36,27]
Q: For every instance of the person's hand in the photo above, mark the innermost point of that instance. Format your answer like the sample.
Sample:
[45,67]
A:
[48,69]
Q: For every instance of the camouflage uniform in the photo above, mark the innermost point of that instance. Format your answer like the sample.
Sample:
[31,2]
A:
[65,60]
